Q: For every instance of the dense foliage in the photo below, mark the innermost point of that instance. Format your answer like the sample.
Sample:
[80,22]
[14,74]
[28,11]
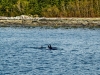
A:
[51,8]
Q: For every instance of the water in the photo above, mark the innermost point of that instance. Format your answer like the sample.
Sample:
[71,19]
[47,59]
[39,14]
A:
[78,51]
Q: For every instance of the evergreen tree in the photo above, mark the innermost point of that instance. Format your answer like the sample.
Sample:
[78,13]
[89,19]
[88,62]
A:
[51,8]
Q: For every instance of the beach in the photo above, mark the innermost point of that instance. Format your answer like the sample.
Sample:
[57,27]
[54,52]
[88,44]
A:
[42,21]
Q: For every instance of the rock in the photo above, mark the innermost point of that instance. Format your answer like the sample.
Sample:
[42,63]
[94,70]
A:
[52,22]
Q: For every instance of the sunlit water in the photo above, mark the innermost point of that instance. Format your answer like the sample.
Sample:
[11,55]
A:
[78,51]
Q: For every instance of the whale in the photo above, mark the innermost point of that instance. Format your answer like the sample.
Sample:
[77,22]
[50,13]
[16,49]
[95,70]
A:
[51,48]
[41,47]
[48,47]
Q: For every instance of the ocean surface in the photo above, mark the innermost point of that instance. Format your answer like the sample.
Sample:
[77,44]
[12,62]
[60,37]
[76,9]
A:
[78,51]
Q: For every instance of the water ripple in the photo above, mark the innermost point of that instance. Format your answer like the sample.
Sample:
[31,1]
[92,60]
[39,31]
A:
[78,51]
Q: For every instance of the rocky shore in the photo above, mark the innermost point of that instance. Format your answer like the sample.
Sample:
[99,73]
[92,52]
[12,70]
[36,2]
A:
[42,21]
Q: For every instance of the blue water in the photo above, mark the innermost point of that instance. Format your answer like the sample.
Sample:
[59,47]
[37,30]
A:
[78,51]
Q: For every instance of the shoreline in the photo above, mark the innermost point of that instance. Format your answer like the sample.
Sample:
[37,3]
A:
[57,22]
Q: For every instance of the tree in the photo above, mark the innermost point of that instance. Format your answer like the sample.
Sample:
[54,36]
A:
[51,8]
[50,11]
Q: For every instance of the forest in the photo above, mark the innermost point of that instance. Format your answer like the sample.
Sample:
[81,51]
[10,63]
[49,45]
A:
[50,8]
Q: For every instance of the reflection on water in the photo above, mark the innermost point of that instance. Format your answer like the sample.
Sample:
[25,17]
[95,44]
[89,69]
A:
[78,51]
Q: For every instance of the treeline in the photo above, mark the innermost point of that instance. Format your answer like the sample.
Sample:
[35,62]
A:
[51,8]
